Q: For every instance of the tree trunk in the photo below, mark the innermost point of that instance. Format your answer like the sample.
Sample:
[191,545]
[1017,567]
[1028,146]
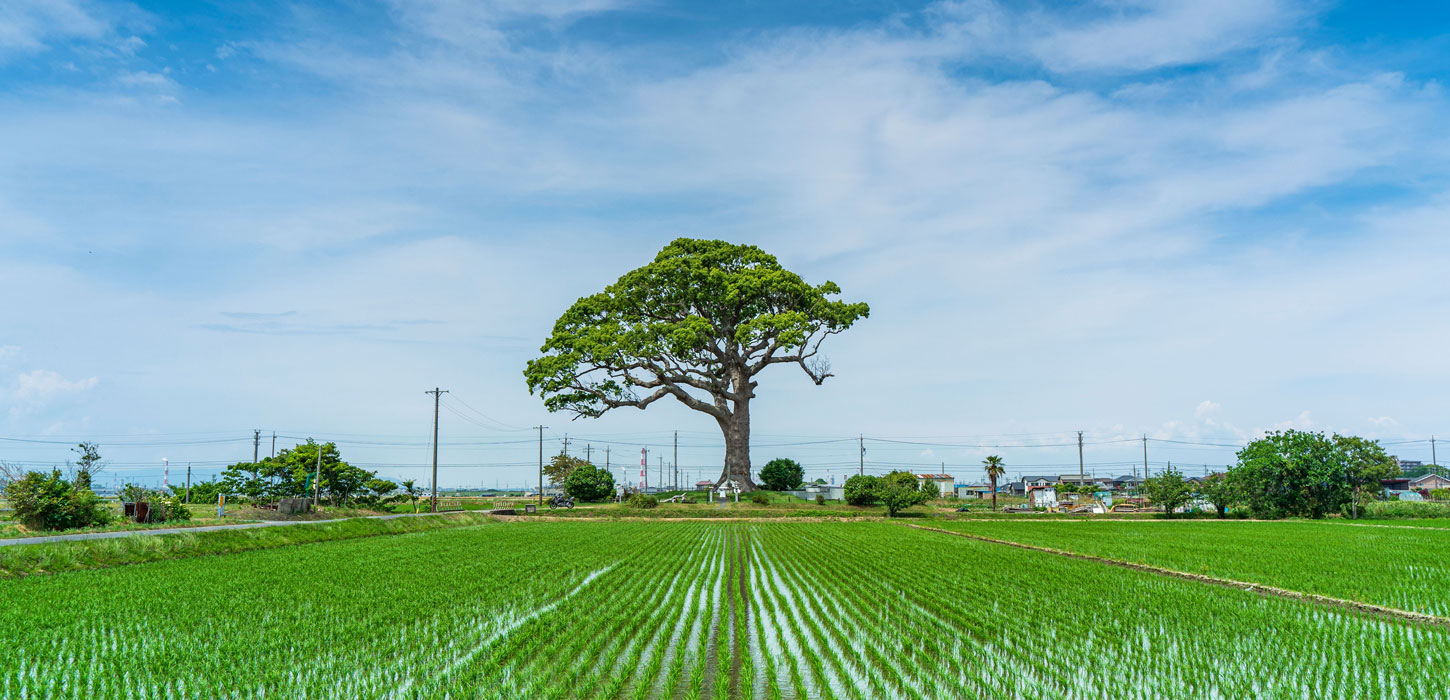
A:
[737,448]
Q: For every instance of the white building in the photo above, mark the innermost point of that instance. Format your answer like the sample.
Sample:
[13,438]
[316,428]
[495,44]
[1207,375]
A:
[943,484]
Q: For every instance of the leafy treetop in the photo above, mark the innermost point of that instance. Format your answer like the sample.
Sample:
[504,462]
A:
[705,316]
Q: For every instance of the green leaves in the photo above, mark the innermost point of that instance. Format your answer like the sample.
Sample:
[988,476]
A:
[781,474]
[1306,474]
[697,323]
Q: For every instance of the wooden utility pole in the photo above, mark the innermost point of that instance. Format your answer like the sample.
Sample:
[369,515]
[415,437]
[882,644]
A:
[317,476]
[256,444]
[188,482]
[676,464]
[1145,456]
[541,464]
[861,443]
[1080,472]
[437,395]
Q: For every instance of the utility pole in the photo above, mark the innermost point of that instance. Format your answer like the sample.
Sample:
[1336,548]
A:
[274,443]
[660,460]
[644,469]
[317,476]
[1079,459]
[588,452]
[676,463]
[1145,456]
[1434,462]
[437,396]
[566,444]
[606,458]
[541,465]
[188,482]
[256,444]
[861,443]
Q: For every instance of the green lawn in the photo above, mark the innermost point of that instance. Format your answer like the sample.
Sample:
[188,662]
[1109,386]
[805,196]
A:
[1405,568]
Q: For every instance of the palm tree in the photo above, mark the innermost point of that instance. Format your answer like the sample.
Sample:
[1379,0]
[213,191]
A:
[995,470]
[411,489]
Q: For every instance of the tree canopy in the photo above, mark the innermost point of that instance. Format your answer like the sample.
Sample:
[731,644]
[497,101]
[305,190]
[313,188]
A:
[290,473]
[697,324]
[901,490]
[782,474]
[589,483]
[1168,490]
[1307,474]
[560,467]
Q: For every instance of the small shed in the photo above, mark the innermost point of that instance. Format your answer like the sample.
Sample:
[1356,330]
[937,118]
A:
[1042,496]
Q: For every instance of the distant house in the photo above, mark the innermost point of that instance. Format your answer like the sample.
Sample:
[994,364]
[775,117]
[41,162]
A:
[1076,479]
[1042,496]
[703,485]
[1423,484]
[974,491]
[1126,483]
[940,483]
[1019,488]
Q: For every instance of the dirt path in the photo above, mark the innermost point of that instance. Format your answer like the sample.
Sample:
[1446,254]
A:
[75,537]
[1261,589]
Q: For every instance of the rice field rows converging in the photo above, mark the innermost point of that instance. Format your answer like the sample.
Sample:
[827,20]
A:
[1403,568]
[684,611]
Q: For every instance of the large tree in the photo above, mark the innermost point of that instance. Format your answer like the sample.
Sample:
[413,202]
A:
[1308,474]
[698,324]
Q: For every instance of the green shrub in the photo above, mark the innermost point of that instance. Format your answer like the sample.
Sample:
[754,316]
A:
[589,483]
[1440,494]
[861,490]
[759,498]
[820,499]
[1405,509]
[176,509]
[48,502]
[639,500]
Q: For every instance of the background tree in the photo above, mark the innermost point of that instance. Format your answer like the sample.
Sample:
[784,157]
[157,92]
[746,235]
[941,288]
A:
[698,324]
[1305,474]
[559,468]
[860,490]
[289,475]
[206,491]
[1168,490]
[782,474]
[589,483]
[410,490]
[1221,491]
[901,490]
[1365,465]
[995,468]
[88,464]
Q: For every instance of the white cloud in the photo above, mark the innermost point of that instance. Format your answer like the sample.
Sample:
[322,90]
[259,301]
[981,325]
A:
[8,351]
[1206,408]
[29,25]
[1383,422]
[1146,34]
[41,386]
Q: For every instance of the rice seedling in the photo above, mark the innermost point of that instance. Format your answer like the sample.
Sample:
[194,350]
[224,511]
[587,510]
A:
[671,610]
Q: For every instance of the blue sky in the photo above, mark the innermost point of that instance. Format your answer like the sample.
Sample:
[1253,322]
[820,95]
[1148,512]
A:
[1191,220]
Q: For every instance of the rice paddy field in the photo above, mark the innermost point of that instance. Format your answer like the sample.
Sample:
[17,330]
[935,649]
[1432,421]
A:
[685,610]
[1398,567]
